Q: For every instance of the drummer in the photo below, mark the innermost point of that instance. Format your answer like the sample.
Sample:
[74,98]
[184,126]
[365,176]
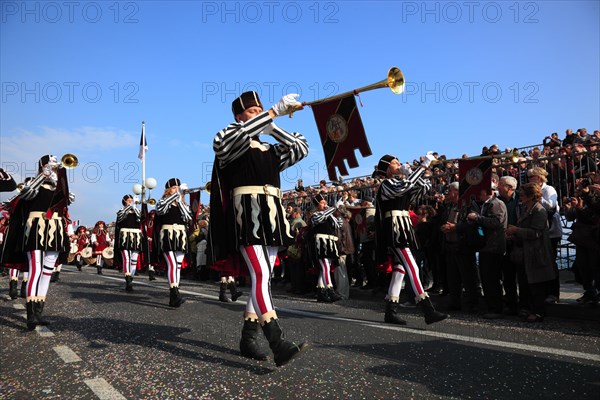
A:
[100,241]
[83,241]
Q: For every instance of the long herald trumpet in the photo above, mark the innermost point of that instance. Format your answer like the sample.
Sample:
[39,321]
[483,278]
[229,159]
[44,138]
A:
[394,81]
[206,188]
[68,161]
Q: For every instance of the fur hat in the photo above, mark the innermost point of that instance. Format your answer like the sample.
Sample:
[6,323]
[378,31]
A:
[172,182]
[245,101]
[317,199]
[124,201]
[383,164]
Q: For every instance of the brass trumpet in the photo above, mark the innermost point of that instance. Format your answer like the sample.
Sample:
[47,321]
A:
[150,201]
[206,188]
[69,161]
[394,81]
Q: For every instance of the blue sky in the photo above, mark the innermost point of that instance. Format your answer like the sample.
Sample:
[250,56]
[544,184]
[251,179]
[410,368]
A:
[81,77]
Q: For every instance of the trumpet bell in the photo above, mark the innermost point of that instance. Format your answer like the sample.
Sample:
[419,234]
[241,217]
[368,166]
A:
[395,80]
[515,155]
[69,161]
[208,186]
[152,202]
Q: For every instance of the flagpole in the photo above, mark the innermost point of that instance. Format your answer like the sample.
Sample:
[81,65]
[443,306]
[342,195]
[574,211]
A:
[143,199]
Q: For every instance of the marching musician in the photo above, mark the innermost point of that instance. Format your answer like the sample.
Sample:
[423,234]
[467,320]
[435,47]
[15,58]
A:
[149,232]
[63,256]
[7,183]
[395,234]
[128,238]
[173,216]
[83,241]
[324,226]
[42,234]
[247,216]
[100,241]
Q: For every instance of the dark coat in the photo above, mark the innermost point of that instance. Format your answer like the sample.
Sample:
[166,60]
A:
[493,219]
[537,253]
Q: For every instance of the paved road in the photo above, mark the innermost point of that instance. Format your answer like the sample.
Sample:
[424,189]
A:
[108,344]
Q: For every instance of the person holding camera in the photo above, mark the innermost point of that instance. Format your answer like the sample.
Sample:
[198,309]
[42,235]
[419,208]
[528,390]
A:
[549,201]
[585,210]
[552,141]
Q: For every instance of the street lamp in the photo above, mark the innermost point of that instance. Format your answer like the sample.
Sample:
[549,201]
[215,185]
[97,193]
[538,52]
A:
[140,189]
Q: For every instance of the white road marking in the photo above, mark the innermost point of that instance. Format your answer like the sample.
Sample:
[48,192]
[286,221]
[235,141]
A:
[19,306]
[451,336]
[67,355]
[103,390]
[43,331]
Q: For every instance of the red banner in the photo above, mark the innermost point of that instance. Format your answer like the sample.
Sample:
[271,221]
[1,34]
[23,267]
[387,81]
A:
[341,131]
[195,204]
[475,175]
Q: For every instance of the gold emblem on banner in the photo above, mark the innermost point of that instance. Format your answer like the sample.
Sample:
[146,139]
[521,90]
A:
[337,128]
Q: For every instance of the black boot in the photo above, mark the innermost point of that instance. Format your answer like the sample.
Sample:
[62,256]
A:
[283,350]
[78,266]
[99,269]
[333,295]
[431,315]
[249,346]
[223,293]
[54,276]
[12,289]
[323,296]
[175,299]
[23,293]
[391,314]
[128,283]
[233,290]
[38,309]
[30,317]
[151,275]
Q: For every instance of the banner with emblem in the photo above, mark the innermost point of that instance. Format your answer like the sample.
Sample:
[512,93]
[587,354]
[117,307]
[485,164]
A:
[475,175]
[341,131]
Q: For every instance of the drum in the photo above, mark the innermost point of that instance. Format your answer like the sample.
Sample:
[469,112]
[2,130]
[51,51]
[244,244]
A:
[108,255]
[72,253]
[88,256]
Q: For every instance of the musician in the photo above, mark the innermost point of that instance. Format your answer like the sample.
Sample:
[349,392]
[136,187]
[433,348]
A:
[128,238]
[44,234]
[324,226]
[171,221]
[246,211]
[7,183]
[395,234]
[63,256]
[149,232]
[13,261]
[83,241]
[100,241]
